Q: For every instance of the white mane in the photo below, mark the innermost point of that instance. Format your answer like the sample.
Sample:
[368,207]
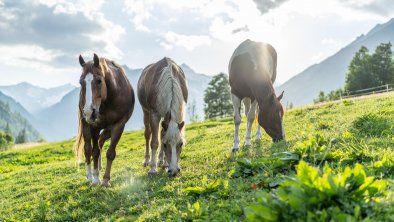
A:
[170,97]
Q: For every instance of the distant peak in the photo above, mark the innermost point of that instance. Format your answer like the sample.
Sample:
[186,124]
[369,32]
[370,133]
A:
[184,65]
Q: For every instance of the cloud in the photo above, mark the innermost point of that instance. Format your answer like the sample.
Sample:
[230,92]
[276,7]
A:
[189,42]
[378,7]
[57,26]
[265,5]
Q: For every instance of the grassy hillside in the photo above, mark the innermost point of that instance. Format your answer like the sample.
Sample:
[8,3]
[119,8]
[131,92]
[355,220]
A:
[319,179]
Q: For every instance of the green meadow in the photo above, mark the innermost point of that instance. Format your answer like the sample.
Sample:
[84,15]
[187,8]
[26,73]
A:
[337,164]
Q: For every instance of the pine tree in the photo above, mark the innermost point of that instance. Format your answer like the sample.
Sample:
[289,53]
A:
[217,97]
[382,64]
[7,129]
[21,138]
[359,72]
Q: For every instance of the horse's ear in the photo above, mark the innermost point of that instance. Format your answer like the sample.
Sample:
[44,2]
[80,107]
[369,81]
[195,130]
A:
[181,125]
[81,61]
[280,96]
[164,125]
[96,60]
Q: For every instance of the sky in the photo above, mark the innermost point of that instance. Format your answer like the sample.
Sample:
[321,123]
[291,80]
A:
[40,40]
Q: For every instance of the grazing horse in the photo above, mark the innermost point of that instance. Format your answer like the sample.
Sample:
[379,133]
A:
[106,102]
[252,71]
[162,92]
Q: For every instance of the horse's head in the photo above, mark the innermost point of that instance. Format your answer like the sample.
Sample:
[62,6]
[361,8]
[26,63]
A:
[271,117]
[93,89]
[173,141]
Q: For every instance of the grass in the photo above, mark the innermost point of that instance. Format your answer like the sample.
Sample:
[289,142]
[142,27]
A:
[43,183]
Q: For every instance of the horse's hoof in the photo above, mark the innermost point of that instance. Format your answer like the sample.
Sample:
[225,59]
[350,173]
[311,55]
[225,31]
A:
[152,173]
[248,144]
[89,179]
[235,150]
[96,183]
[105,183]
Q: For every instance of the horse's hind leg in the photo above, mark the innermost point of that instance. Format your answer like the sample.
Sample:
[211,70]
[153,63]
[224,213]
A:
[251,116]
[147,137]
[116,133]
[105,135]
[237,120]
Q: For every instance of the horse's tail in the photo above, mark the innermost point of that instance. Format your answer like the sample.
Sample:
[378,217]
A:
[79,141]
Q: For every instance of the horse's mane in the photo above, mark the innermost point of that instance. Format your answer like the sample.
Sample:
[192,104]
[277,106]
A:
[170,95]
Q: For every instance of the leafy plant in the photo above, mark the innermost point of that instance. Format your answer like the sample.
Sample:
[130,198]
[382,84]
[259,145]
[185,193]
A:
[215,186]
[384,167]
[194,211]
[279,162]
[315,196]
[315,149]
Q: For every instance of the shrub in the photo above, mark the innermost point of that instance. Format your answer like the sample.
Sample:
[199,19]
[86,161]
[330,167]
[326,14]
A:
[314,196]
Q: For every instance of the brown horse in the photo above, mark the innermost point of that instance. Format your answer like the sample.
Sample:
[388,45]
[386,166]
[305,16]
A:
[252,71]
[106,102]
[162,92]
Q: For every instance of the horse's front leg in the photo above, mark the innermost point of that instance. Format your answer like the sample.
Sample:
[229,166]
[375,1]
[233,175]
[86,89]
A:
[88,152]
[258,132]
[88,155]
[116,133]
[250,117]
[154,125]
[105,135]
[96,156]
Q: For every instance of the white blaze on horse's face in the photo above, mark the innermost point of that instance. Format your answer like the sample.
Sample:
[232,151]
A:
[88,107]
[173,142]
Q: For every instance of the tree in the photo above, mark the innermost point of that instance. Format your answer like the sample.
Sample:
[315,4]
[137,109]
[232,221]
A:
[5,140]
[7,129]
[382,64]
[367,71]
[359,72]
[217,97]
[21,138]
[321,97]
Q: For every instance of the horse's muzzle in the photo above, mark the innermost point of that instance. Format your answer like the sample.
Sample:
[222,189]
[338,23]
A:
[278,139]
[173,173]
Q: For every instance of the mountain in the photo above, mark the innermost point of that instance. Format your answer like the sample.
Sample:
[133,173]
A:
[330,74]
[59,121]
[34,98]
[13,114]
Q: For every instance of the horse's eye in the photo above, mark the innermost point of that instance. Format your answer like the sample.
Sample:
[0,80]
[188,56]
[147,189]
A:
[98,81]
[165,146]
